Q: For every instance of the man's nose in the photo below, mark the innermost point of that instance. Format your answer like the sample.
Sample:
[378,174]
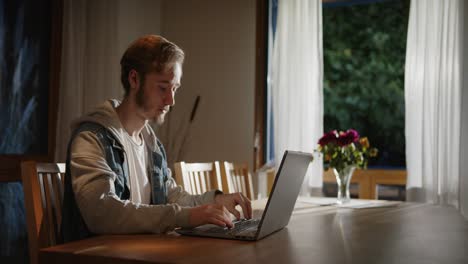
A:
[169,99]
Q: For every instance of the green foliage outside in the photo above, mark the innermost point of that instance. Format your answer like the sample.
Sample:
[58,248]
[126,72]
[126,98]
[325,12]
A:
[364,55]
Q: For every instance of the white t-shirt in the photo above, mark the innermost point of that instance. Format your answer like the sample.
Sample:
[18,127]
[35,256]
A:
[140,187]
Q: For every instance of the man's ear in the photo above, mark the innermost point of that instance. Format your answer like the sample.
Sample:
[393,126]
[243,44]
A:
[134,80]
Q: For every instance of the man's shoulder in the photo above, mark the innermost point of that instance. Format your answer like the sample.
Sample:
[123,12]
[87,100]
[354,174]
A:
[89,126]
[94,136]
[97,130]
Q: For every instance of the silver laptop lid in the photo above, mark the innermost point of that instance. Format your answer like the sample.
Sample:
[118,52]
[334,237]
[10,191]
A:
[283,196]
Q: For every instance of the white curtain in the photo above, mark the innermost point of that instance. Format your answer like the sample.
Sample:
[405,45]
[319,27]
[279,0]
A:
[464,122]
[297,77]
[90,63]
[433,83]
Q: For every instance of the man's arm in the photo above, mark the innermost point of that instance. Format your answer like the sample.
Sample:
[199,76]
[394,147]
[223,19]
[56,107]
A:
[105,213]
[178,195]
[102,210]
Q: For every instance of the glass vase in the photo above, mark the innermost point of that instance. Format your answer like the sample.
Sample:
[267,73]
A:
[343,178]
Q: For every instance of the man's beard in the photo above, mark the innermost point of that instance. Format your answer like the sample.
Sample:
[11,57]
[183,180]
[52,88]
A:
[141,102]
[159,119]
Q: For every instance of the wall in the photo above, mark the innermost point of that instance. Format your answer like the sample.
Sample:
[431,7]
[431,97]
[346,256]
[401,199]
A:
[110,29]
[135,19]
[218,38]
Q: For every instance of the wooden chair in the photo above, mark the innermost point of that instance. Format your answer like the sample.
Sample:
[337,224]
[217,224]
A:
[237,178]
[43,185]
[197,178]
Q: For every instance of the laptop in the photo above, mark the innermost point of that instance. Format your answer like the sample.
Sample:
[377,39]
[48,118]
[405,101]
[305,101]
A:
[278,209]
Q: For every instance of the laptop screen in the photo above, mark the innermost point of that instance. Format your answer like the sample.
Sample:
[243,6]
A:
[283,196]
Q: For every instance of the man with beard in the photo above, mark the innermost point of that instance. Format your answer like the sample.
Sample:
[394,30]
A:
[117,180]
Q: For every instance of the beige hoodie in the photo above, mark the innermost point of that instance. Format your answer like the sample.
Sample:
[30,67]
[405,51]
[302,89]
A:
[93,185]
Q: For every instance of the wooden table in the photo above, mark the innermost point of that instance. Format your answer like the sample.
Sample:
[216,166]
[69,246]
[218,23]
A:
[407,233]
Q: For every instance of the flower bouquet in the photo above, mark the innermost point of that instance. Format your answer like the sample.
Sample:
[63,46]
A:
[344,152]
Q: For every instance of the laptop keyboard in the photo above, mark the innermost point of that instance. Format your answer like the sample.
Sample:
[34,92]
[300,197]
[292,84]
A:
[239,226]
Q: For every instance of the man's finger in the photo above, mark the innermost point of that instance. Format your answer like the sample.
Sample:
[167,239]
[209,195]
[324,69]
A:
[236,213]
[226,219]
[218,217]
[249,208]
[216,211]
[242,201]
[224,214]
[214,220]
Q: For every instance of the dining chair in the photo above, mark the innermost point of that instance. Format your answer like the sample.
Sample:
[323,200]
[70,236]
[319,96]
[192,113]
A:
[43,185]
[237,178]
[197,178]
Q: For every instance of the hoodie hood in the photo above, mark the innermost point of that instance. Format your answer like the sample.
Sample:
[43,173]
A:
[106,116]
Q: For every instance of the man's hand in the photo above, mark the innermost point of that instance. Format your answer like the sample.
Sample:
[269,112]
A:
[231,200]
[210,214]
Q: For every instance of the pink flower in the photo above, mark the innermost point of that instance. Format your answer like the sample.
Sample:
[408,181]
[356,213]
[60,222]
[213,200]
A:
[330,137]
[348,137]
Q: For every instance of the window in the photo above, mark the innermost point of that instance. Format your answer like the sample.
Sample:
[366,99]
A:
[364,44]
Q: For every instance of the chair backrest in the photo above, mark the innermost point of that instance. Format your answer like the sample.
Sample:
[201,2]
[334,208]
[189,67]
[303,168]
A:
[43,185]
[237,178]
[197,178]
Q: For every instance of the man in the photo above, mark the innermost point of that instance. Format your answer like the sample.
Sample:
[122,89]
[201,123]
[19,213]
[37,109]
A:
[117,180]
